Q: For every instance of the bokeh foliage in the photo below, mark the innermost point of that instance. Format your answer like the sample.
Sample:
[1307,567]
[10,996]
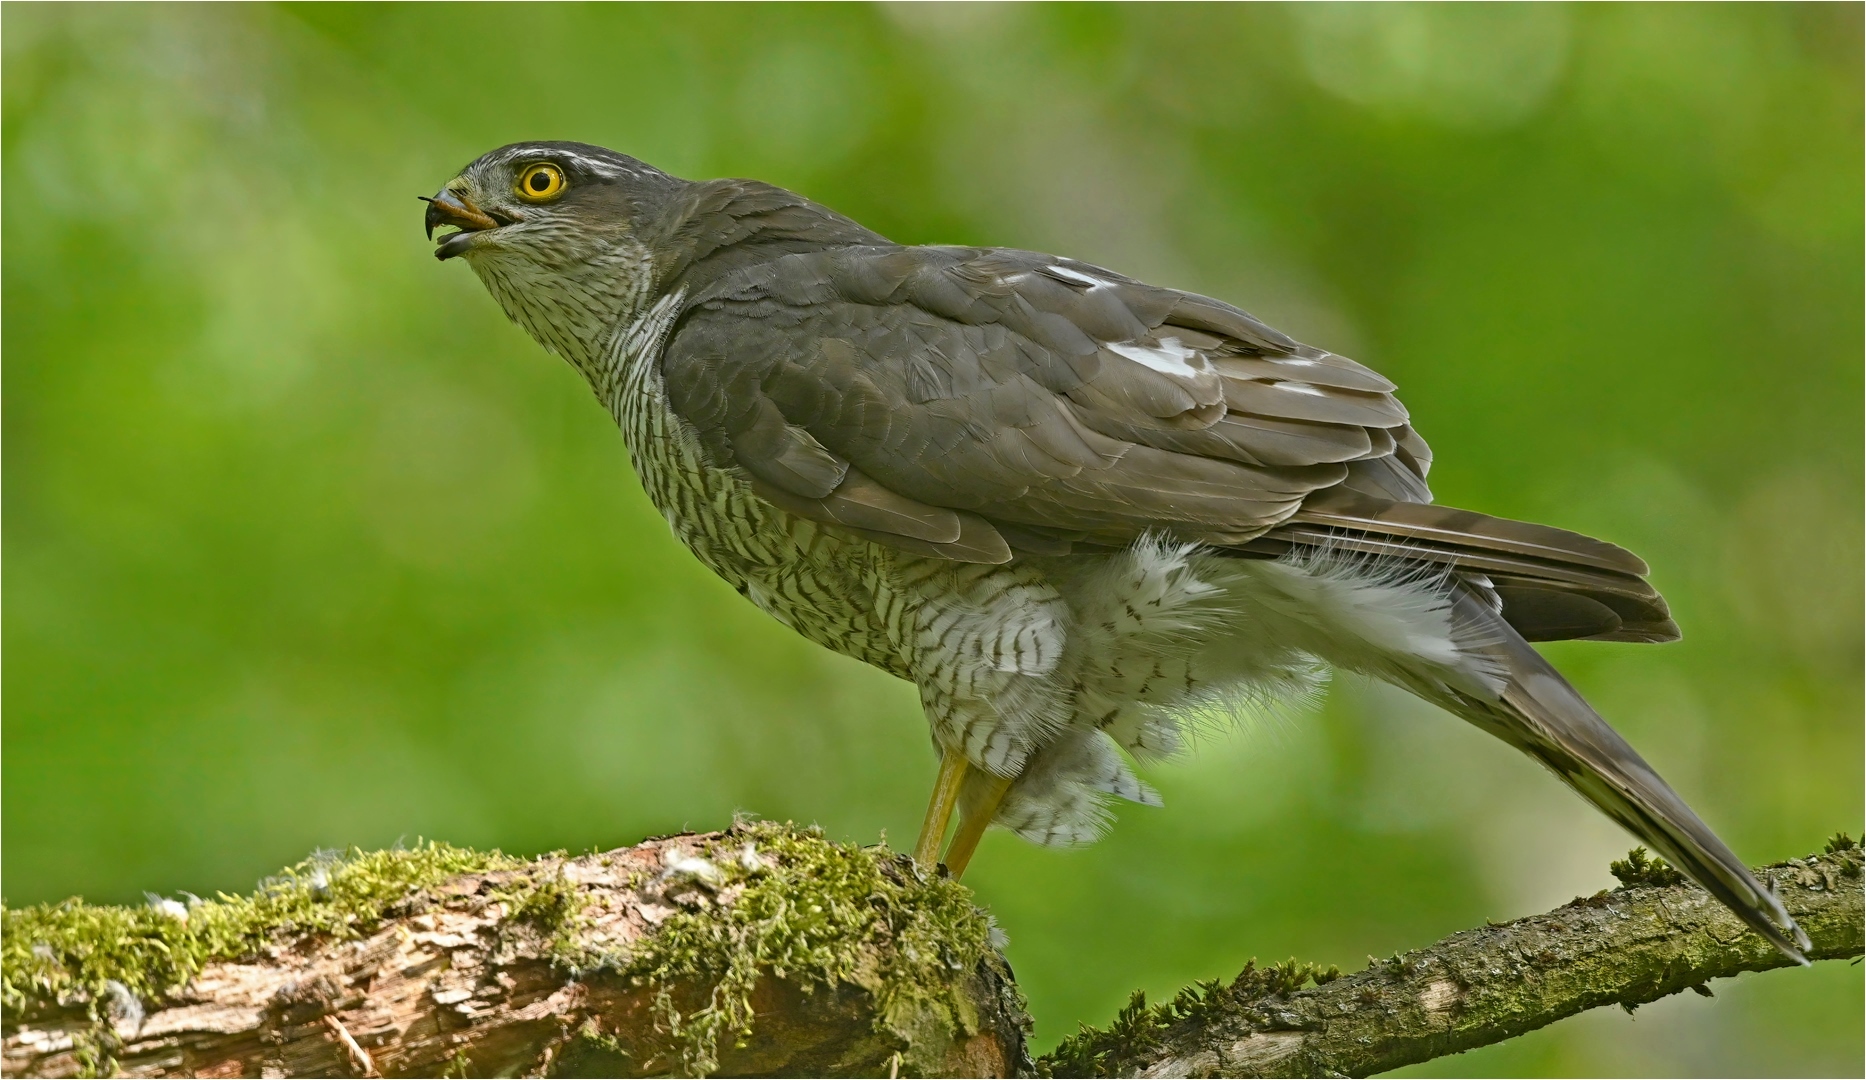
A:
[307,547]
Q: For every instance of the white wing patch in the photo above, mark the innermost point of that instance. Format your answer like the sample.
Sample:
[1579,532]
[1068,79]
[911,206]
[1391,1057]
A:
[1076,275]
[1169,357]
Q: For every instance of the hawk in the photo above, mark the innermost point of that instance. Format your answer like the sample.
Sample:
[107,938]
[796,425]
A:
[1077,511]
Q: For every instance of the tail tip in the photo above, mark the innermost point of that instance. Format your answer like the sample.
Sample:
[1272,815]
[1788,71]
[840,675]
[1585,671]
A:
[1802,945]
[1787,936]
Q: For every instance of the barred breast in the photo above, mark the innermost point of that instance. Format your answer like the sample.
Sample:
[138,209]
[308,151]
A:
[831,589]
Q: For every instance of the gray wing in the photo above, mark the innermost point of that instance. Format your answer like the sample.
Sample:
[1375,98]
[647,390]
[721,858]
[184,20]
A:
[1053,397]
[976,403]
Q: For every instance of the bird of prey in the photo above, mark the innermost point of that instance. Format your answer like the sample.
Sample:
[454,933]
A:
[1077,511]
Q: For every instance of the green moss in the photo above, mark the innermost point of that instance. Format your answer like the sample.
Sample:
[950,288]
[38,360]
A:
[1639,870]
[460,1065]
[817,914]
[72,952]
[1137,1029]
[1840,842]
[554,909]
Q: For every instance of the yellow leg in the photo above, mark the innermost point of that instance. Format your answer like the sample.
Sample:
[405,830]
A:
[973,826]
[952,770]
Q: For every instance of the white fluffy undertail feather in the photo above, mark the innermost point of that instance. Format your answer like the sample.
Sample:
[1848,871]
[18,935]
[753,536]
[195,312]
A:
[1137,620]
[1166,638]
[1377,616]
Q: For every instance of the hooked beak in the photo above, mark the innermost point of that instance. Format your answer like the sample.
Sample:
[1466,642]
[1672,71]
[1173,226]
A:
[449,207]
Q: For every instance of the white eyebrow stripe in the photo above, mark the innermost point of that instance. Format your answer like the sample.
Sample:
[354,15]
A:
[546,153]
[1076,275]
[600,168]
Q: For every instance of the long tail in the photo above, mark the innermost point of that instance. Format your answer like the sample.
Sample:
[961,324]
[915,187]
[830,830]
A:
[1540,714]
[1511,582]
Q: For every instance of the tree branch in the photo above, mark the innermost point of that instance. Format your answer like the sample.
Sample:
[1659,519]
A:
[1627,947]
[765,950]
[759,951]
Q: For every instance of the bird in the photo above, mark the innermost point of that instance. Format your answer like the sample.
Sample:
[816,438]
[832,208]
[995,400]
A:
[1079,512]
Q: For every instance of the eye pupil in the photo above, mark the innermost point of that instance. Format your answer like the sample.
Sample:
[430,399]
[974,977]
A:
[540,180]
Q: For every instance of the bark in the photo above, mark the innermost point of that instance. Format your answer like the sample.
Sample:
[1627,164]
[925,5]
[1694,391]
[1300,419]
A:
[767,951]
[1626,948]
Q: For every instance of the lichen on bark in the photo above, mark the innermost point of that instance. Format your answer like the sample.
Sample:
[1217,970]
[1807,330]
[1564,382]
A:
[73,951]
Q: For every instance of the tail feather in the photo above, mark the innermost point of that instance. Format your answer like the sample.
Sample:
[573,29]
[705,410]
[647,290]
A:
[1541,714]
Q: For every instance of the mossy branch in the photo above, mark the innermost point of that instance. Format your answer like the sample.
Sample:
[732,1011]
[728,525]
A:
[761,950]
[766,950]
[1653,937]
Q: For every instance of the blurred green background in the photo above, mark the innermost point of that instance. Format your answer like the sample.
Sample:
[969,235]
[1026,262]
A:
[307,546]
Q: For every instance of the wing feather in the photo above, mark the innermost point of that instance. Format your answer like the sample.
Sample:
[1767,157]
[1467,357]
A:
[1294,400]
[1466,527]
[1385,478]
[1311,366]
[1279,441]
[784,454]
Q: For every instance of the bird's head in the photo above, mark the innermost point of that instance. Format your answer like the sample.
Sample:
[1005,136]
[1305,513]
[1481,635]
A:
[557,232]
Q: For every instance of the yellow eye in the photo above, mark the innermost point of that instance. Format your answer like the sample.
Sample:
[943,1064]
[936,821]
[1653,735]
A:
[540,182]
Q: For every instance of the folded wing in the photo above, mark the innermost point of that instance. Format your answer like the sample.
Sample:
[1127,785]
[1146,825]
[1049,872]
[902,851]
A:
[975,404]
